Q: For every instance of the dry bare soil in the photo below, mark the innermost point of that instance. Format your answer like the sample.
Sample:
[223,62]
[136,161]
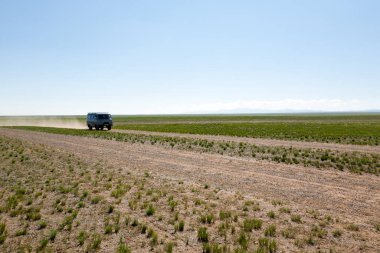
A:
[63,193]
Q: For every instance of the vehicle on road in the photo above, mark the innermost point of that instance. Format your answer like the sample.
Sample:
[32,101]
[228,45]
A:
[99,121]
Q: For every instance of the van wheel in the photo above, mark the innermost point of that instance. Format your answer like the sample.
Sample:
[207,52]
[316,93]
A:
[101,128]
[109,128]
[90,128]
[96,127]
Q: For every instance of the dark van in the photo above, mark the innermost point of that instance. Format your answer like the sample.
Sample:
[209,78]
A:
[99,121]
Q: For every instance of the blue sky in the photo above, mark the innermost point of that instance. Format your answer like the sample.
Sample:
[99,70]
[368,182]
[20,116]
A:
[139,57]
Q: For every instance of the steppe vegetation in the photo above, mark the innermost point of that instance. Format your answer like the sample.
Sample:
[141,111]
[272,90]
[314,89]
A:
[358,133]
[318,158]
[53,201]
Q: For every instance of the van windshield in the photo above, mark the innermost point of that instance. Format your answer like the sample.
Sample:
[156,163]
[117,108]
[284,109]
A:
[103,116]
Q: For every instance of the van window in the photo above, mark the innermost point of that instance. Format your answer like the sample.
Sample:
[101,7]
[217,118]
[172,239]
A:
[103,116]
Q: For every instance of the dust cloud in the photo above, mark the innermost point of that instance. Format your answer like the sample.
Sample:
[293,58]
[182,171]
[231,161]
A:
[59,122]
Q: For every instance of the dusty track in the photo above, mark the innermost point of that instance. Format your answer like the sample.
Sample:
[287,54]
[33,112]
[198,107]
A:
[351,196]
[266,142]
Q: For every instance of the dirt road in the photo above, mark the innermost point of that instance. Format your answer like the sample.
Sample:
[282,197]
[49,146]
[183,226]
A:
[352,196]
[266,142]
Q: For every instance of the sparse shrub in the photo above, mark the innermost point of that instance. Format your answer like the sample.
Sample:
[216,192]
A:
[223,215]
[169,247]
[135,223]
[271,214]
[150,210]
[202,234]
[352,227]
[127,220]
[108,228]
[284,210]
[110,209]
[267,245]
[122,248]
[41,225]
[295,218]
[208,218]
[43,243]
[32,214]
[276,202]
[143,229]
[82,236]
[81,204]
[154,239]
[52,235]
[318,232]
[68,221]
[289,233]
[84,195]
[270,231]
[12,203]
[310,240]
[21,232]
[172,205]
[149,233]
[250,224]
[214,248]
[95,200]
[243,240]
[94,244]
[119,191]
[337,233]
[180,226]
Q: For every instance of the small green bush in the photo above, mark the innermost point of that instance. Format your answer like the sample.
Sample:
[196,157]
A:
[337,233]
[41,225]
[352,227]
[150,210]
[202,234]
[180,226]
[122,248]
[169,247]
[267,245]
[214,248]
[94,244]
[270,231]
[52,235]
[243,240]
[95,200]
[296,218]
[82,236]
[250,224]
[21,232]
[271,214]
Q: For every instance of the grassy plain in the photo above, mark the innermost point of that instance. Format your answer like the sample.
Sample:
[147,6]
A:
[358,129]
[358,133]
[352,161]
[53,199]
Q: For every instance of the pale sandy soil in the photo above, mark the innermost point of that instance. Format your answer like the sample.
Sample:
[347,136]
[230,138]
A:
[352,195]
[349,197]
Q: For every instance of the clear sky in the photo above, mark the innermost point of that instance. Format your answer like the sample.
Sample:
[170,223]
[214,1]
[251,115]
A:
[184,56]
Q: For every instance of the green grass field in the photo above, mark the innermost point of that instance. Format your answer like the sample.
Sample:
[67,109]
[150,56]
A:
[319,117]
[361,133]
